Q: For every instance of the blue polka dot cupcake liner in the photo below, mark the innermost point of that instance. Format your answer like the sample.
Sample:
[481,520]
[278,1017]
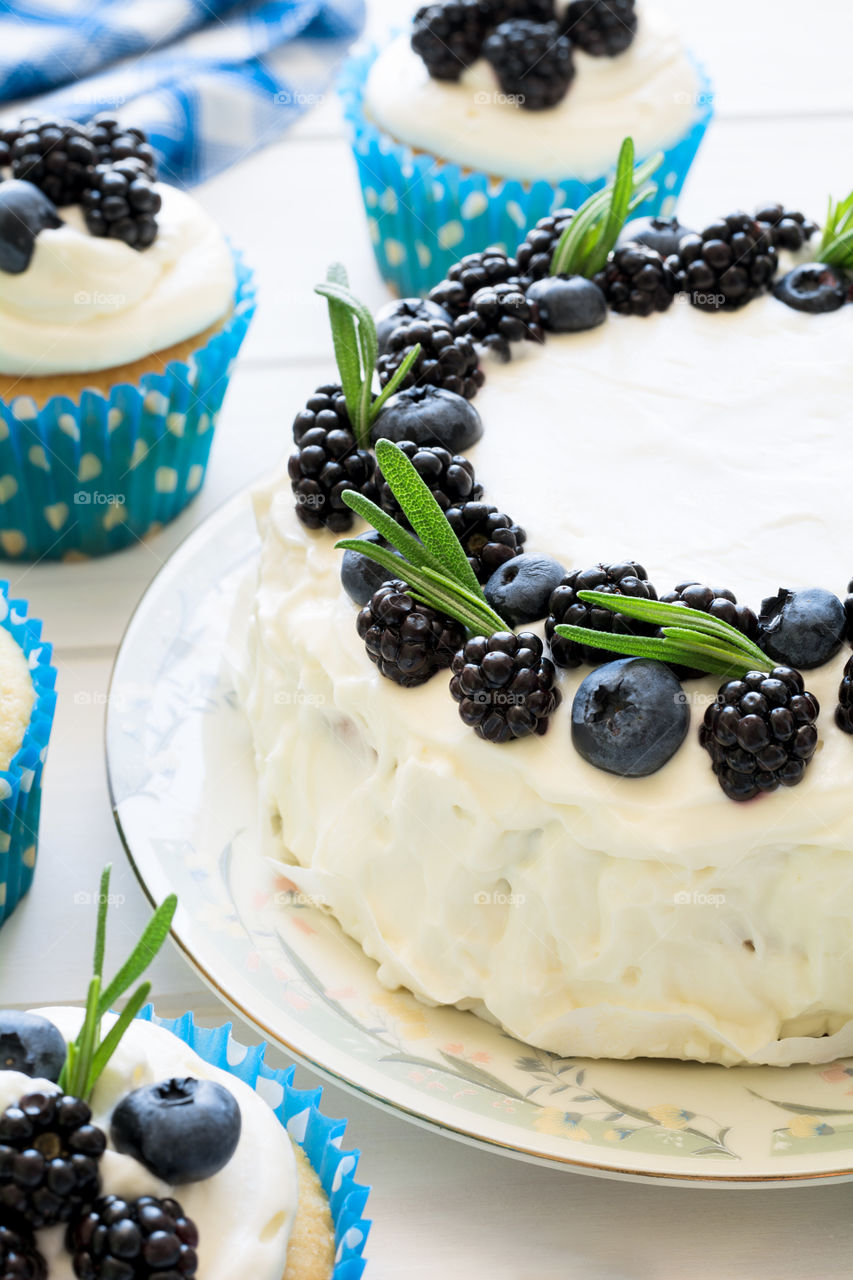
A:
[92,474]
[298,1110]
[20,784]
[424,214]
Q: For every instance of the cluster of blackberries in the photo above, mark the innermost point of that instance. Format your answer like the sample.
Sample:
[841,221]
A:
[527,42]
[760,732]
[727,264]
[327,462]
[108,168]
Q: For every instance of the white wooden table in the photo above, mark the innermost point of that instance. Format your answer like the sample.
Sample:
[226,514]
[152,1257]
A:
[784,130]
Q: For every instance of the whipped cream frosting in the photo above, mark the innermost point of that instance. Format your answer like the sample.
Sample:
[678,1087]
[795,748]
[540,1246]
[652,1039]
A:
[88,302]
[649,91]
[16,697]
[244,1213]
[588,914]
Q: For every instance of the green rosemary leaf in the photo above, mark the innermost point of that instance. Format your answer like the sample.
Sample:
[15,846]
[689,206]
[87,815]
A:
[594,230]
[425,515]
[660,650]
[393,384]
[721,650]
[617,214]
[101,931]
[68,1068]
[571,242]
[86,1041]
[434,589]
[676,615]
[475,602]
[390,530]
[156,933]
[836,246]
[112,1039]
[645,193]
[347,351]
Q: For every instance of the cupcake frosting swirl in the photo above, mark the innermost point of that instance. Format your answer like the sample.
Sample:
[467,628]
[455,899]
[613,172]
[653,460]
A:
[87,303]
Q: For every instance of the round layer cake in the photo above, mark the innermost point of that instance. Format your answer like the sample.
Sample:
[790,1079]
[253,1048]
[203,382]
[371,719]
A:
[586,913]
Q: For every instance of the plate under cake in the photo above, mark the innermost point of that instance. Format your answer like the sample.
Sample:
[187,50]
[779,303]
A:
[590,914]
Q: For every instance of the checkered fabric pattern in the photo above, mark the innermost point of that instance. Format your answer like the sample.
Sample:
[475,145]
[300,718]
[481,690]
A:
[209,80]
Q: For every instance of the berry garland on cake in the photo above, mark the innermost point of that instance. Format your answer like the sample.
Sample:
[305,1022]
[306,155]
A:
[181,1130]
[529,44]
[47,164]
[442,577]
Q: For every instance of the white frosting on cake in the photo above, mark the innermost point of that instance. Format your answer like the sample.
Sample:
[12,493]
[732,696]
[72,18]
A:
[89,302]
[16,697]
[649,91]
[244,1213]
[626,917]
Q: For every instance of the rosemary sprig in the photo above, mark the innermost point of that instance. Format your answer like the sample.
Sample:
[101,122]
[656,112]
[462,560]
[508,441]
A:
[836,246]
[88,1055]
[356,351]
[436,567]
[688,638]
[592,233]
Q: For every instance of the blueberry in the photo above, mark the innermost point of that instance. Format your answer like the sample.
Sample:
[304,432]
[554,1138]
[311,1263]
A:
[181,1130]
[361,577]
[24,212]
[568,304]
[802,629]
[630,717]
[520,589]
[32,1045]
[663,234]
[813,287]
[429,415]
[402,311]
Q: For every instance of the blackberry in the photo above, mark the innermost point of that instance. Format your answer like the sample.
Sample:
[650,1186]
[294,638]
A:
[473,272]
[19,1257]
[535,252]
[409,642]
[121,201]
[533,62]
[448,37]
[445,360]
[114,141]
[602,28]
[785,228]
[504,686]
[327,461]
[144,1239]
[844,710]
[636,281]
[489,538]
[727,265]
[49,1154]
[8,138]
[450,477]
[848,609]
[501,314]
[534,10]
[55,155]
[624,579]
[760,732]
[720,603]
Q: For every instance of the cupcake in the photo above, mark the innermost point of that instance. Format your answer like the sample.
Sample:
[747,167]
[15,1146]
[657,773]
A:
[476,122]
[27,702]
[133,1149]
[122,309]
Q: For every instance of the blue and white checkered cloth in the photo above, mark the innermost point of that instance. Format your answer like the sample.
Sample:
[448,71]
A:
[209,80]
